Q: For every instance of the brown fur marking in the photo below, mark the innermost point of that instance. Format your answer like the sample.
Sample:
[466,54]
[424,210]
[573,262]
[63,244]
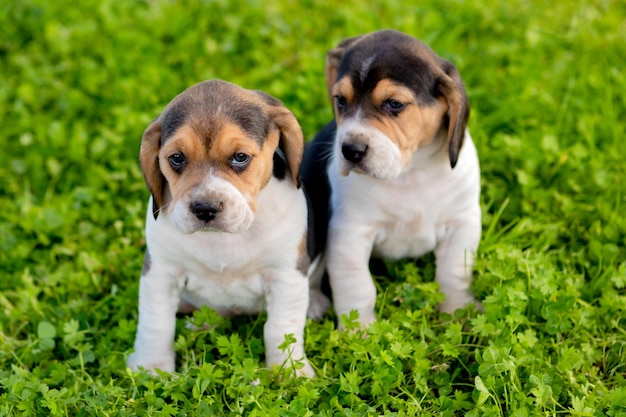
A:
[303,262]
[415,126]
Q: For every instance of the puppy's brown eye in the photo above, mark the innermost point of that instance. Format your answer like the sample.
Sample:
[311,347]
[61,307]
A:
[177,161]
[240,161]
[341,102]
[393,106]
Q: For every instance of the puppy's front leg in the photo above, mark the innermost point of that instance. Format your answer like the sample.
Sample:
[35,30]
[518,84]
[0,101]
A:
[348,252]
[455,260]
[287,304]
[159,296]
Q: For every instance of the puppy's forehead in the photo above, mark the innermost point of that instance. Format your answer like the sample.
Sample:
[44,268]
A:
[209,106]
[394,56]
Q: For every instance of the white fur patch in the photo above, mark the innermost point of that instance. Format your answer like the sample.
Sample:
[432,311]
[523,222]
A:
[427,207]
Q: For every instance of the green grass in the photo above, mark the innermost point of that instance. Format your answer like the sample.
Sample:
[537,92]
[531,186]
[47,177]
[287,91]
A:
[79,81]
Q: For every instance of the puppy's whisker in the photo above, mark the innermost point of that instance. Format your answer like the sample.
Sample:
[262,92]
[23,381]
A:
[159,210]
[323,155]
[326,155]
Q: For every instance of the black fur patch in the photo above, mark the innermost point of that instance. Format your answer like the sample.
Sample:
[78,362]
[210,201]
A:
[313,172]
[388,57]
[173,119]
[251,118]
[280,165]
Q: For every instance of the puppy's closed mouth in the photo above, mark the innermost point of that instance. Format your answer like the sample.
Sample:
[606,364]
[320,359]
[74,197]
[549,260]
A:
[347,168]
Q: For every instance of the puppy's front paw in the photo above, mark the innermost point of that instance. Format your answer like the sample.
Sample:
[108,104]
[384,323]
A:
[451,304]
[307,370]
[304,368]
[289,365]
[318,304]
[150,363]
[365,319]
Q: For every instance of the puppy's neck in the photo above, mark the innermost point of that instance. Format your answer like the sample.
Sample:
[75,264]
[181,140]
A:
[435,153]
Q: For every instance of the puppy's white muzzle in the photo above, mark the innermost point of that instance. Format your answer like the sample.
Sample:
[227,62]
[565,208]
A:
[216,205]
[363,149]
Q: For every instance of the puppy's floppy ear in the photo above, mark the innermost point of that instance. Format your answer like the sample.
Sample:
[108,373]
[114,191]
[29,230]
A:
[149,161]
[451,87]
[333,59]
[291,138]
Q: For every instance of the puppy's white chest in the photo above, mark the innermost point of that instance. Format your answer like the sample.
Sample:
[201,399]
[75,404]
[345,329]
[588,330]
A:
[398,238]
[229,292]
[411,231]
[215,269]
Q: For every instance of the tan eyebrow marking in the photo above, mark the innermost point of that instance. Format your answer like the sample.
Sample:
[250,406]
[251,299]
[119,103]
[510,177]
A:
[344,88]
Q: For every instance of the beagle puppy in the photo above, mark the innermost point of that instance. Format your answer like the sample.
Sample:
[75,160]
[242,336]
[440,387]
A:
[395,174]
[227,224]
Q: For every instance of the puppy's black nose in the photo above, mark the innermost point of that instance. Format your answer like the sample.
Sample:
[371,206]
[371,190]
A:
[354,152]
[205,211]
